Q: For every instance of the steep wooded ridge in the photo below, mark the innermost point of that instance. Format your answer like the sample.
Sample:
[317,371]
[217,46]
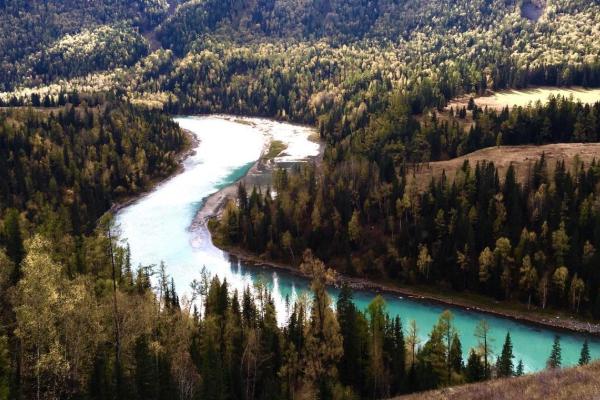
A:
[30,29]
[78,321]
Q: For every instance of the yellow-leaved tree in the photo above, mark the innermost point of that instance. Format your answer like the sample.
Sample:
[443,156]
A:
[323,338]
[56,321]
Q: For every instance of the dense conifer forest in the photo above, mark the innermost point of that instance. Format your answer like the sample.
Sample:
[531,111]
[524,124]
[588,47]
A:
[533,240]
[87,89]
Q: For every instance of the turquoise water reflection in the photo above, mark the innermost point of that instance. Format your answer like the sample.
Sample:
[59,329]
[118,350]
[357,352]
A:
[157,228]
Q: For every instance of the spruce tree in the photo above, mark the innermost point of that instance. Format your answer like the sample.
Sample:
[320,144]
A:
[520,369]
[505,362]
[584,358]
[398,356]
[475,370]
[456,360]
[14,243]
[346,316]
[555,359]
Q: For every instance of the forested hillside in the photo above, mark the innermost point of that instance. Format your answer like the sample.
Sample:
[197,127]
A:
[78,321]
[535,240]
[30,28]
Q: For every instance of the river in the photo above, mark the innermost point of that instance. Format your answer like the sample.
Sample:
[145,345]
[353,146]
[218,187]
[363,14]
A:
[158,227]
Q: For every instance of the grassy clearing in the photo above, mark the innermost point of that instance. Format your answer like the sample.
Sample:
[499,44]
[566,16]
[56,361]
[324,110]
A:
[314,137]
[521,157]
[522,98]
[572,383]
[243,122]
[275,148]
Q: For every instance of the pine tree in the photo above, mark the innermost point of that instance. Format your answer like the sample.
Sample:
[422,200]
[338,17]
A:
[14,243]
[555,359]
[398,356]
[505,362]
[520,369]
[348,320]
[475,370]
[584,358]
[456,360]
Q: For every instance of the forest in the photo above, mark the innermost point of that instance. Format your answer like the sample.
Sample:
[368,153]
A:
[84,124]
[78,321]
[533,241]
[29,28]
[109,334]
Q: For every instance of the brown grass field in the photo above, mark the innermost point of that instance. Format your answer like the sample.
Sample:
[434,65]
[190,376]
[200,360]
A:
[581,383]
[522,158]
[523,97]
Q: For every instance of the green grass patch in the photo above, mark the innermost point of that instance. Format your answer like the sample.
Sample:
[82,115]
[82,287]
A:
[275,148]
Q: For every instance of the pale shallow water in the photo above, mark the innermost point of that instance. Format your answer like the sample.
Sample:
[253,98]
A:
[158,228]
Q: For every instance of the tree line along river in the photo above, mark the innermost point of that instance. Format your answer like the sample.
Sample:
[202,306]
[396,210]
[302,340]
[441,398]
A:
[158,227]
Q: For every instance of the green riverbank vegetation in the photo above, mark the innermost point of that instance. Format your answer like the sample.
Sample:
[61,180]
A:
[106,333]
[532,240]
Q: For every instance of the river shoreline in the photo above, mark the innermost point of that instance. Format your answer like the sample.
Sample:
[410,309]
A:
[570,325]
[185,153]
[214,204]
[213,207]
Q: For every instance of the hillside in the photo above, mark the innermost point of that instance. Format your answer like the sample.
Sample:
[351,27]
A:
[89,91]
[30,29]
[522,158]
[582,383]
[525,97]
[355,50]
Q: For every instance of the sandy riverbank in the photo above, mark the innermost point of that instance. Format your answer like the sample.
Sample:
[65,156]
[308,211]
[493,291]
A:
[214,204]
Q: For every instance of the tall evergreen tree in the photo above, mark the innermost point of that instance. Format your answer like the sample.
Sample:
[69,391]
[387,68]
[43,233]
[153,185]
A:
[350,365]
[505,362]
[398,363]
[520,369]
[555,360]
[584,358]
[456,359]
[475,370]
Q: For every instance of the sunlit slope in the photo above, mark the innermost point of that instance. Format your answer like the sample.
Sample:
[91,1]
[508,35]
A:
[581,383]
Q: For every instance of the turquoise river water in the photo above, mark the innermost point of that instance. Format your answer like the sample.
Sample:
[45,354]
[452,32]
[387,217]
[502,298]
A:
[158,227]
